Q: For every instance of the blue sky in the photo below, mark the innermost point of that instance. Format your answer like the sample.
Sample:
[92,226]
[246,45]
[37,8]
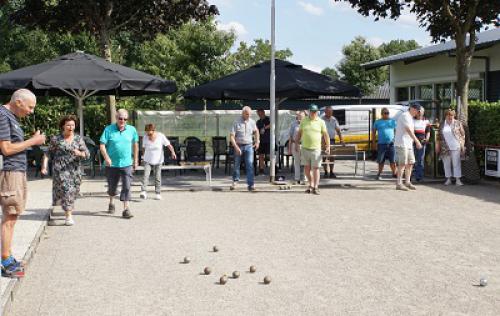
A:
[315,30]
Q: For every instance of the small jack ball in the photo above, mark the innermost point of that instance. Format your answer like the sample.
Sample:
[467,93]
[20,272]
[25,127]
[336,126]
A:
[483,282]
[207,270]
[187,260]
[223,280]
[253,269]
[236,274]
[216,248]
[267,279]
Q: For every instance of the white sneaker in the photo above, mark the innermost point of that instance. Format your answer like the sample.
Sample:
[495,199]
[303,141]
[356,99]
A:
[448,181]
[143,195]
[69,221]
[458,183]
[233,185]
[158,197]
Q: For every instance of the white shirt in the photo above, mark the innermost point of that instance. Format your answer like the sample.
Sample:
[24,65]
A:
[153,150]
[449,137]
[402,137]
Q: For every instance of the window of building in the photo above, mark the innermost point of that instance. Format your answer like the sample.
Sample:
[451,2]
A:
[402,94]
[476,90]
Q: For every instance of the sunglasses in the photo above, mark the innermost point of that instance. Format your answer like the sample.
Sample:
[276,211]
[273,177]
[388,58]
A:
[385,113]
[122,119]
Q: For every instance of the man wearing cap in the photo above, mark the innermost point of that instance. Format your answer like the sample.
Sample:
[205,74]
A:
[310,131]
[403,142]
[385,142]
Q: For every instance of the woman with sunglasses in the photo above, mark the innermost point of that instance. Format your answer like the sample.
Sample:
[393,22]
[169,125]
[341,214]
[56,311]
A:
[451,147]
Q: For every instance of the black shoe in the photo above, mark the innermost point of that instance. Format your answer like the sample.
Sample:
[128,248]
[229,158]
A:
[127,214]
[333,175]
[111,208]
[308,190]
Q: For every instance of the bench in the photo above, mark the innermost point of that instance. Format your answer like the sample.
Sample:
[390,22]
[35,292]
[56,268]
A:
[347,152]
[206,167]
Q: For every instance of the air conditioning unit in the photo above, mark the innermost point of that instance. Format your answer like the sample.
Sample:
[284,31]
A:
[492,162]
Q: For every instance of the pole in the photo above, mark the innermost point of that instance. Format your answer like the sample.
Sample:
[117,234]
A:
[272,97]
[80,114]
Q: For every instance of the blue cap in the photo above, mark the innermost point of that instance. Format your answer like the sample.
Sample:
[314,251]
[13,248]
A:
[313,108]
[416,106]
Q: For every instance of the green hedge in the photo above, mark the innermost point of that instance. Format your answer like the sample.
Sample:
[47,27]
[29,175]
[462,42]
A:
[484,120]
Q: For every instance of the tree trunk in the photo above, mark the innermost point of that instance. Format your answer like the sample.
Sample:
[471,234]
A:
[105,46]
[463,61]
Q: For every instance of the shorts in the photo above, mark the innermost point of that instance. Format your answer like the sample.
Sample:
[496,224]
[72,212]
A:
[13,192]
[310,157]
[386,151]
[264,149]
[405,156]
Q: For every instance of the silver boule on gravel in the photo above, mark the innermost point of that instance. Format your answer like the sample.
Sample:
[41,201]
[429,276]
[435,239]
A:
[215,248]
[223,280]
[253,269]
[207,270]
[187,260]
[267,279]
[236,274]
[483,281]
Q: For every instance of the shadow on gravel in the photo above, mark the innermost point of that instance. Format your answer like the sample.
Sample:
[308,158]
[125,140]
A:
[484,191]
[33,215]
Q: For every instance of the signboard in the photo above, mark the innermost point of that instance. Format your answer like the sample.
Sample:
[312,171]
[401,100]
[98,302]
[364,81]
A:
[491,157]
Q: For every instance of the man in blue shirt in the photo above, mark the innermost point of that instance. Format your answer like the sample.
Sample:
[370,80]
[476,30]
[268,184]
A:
[385,147]
[117,142]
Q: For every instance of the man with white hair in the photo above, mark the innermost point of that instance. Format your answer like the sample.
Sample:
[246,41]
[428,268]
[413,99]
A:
[333,128]
[243,143]
[13,186]
[294,148]
[117,142]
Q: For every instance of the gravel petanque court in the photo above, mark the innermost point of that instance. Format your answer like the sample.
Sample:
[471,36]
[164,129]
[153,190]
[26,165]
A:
[367,250]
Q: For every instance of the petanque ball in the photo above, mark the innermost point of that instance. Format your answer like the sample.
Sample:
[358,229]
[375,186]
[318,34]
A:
[223,280]
[236,274]
[483,282]
[207,270]
[216,248]
[267,279]
[187,260]
[253,269]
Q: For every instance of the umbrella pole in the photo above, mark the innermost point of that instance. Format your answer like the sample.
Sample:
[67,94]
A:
[272,98]
[80,113]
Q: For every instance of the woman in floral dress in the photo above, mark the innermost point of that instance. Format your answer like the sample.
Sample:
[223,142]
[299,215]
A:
[67,150]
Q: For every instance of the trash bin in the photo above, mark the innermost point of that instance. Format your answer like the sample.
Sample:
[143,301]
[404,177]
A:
[492,162]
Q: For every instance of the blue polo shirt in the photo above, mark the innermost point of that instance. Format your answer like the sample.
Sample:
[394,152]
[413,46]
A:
[385,129]
[119,144]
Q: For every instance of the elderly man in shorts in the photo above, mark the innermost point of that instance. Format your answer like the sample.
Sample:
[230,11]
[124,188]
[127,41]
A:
[403,142]
[13,187]
[311,130]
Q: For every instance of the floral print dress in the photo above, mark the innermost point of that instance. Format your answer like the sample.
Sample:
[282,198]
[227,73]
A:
[66,174]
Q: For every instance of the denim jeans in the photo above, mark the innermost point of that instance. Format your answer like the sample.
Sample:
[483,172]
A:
[247,153]
[419,162]
[157,174]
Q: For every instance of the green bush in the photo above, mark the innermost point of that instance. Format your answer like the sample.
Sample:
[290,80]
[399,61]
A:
[484,118]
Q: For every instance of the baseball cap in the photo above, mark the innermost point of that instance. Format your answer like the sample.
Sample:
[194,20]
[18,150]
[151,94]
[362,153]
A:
[416,106]
[313,108]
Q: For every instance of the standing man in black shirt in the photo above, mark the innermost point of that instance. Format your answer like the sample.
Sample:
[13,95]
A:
[263,125]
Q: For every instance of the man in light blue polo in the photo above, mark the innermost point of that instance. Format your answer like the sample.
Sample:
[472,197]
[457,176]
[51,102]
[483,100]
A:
[117,142]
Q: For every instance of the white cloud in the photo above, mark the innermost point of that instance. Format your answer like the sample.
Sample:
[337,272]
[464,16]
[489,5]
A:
[408,18]
[310,8]
[376,41]
[237,28]
[341,6]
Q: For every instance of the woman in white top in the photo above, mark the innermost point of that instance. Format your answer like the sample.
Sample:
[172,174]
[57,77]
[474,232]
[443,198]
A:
[451,147]
[153,143]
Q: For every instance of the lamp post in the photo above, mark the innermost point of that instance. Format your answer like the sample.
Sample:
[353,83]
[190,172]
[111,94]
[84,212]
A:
[272,98]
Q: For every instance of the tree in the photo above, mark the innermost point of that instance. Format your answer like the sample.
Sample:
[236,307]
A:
[104,19]
[330,72]
[358,52]
[397,47]
[443,19]
[260,51]
[193,54]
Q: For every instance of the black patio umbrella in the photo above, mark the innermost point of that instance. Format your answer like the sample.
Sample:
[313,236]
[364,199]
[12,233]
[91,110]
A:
[292,82]
[82,75]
